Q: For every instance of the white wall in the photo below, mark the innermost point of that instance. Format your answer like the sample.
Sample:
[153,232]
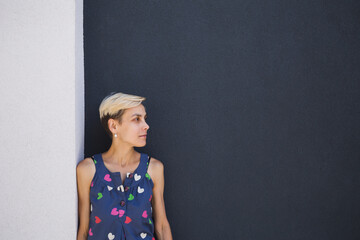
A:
[41,120]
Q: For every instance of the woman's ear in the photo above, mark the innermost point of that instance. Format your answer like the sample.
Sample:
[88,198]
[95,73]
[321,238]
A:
[112,125]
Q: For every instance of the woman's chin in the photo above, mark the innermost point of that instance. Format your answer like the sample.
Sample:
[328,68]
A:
[143,144]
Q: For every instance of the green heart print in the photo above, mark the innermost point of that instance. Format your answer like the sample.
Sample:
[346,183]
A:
[131,197]
[99,196]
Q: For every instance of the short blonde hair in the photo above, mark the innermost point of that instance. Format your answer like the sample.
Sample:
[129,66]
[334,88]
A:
[114,105]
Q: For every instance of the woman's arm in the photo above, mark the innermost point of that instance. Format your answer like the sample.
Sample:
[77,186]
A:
[162,226]
[85,171]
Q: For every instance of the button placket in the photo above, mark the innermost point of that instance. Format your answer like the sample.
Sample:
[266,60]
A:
[125,189]
[122,195]
[129,175]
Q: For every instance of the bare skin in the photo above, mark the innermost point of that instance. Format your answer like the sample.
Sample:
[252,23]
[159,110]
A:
[121,157]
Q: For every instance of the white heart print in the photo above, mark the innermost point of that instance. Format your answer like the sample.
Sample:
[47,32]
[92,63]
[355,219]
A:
[111,236]
[140,190]
[91,207]
[109,188]
[137,177]
[143,235]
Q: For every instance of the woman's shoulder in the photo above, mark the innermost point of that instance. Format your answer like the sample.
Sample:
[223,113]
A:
[156,168]
[86,163]
[155,163]
[86,168]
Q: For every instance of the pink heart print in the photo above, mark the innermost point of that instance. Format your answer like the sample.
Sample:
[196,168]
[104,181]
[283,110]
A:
[121,213]
[114,211]
[144,215]
[107,177]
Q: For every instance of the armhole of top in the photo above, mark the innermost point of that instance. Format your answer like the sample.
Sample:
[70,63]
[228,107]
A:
[148,162]
[93,178]
[94,161]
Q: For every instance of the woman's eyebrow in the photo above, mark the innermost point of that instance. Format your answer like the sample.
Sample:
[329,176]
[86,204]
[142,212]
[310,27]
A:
[138,114]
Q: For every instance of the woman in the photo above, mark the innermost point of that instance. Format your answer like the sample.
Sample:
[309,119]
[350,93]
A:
[121,191]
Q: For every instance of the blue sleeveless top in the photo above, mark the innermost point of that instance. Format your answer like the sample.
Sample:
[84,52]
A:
[119,212]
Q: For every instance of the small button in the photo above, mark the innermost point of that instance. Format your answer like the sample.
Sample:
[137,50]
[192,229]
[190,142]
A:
[126,188]
[122,203]
[130,175]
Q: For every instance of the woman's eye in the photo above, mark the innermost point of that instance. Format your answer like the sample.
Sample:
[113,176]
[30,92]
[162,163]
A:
[137,119]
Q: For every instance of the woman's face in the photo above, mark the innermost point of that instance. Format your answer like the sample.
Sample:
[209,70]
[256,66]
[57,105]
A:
[133,126]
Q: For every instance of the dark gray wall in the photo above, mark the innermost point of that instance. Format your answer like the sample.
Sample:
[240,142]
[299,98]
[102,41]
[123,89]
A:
[254,109]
